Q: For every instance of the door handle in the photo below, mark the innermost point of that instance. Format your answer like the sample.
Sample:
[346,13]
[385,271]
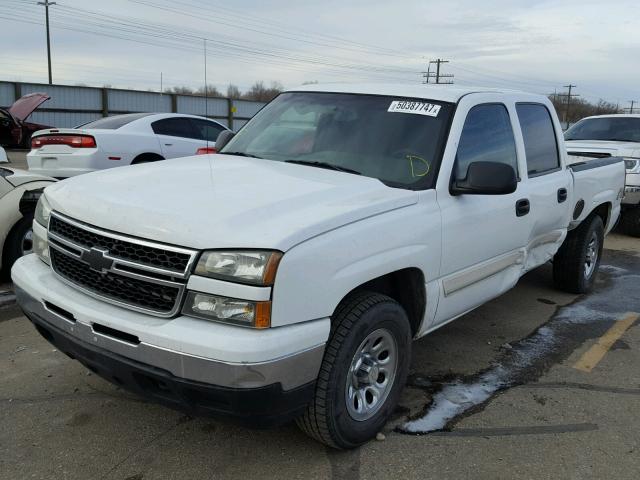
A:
[168,144]
[522,207]
[562,195]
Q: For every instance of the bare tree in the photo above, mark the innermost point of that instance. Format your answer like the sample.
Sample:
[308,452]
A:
[212,91]
[233,91]
[580,107]
[181,90]
[259,93]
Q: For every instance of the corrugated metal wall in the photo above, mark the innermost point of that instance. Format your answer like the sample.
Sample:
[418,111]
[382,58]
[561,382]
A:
[71,106]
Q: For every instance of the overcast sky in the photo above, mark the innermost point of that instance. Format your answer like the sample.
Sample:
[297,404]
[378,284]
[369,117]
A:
[534,45]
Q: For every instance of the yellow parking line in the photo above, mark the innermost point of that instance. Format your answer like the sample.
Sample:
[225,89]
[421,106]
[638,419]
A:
[592,357]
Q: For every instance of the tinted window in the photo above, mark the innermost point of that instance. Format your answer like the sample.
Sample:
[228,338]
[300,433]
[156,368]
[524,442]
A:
[539,138]
[112,123]
[174,127]
[487,136]
[621,129]
[396,140]
[206,130]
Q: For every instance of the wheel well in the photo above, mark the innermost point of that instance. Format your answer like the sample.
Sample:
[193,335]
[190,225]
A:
[406,287]
[147,157]
[604,212]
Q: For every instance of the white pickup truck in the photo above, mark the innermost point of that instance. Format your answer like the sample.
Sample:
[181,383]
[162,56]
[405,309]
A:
[605,136]
[286,276]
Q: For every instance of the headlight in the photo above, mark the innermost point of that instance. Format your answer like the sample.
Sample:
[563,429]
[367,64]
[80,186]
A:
[43,211]
[228,310]
[256,267]
[41,246]
[632,165]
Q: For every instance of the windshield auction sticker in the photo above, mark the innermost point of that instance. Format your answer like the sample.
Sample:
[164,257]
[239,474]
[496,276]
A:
[420,108]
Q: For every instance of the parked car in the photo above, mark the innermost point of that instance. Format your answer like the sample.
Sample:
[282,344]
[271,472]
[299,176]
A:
[19,193]
[286,277]
[120,140]
[605,136]
[15,131]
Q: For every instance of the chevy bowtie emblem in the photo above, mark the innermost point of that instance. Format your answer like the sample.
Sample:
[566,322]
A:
[97,260]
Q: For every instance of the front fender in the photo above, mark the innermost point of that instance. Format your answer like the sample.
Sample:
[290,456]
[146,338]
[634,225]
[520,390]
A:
[314,276]
[10,209]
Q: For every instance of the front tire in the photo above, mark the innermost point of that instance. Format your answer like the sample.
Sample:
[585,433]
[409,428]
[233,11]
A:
[576,264]
[363,371]
[630,222]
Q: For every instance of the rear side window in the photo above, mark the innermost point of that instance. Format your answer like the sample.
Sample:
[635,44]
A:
[206,130]
[487,136]
[539,137]
[174,127]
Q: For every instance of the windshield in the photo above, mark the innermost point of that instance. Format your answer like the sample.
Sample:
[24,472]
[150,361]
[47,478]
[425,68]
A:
[396,140]
[621,129]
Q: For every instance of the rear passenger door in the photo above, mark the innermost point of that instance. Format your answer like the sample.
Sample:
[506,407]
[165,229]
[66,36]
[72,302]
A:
[548,182]
[178,137]
[483,236]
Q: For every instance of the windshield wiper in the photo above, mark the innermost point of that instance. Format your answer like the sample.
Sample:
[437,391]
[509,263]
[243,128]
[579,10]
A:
[326,165]
[620,140]
[240,154]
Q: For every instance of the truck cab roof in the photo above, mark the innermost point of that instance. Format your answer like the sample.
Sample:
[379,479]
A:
[444,93]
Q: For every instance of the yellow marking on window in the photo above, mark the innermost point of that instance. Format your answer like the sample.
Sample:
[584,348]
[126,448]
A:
[413,158]
[590,359]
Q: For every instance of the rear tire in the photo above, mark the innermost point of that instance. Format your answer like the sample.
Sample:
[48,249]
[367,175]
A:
[630,222]
[576,264]
[363,371]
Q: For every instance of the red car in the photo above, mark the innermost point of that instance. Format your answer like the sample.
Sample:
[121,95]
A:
[15,131]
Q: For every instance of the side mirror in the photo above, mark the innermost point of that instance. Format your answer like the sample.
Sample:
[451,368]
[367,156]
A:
[223,138]
[486,178]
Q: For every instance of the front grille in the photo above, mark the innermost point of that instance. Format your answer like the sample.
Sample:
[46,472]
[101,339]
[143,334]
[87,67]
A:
[129,272]
[147,295]
[146,255]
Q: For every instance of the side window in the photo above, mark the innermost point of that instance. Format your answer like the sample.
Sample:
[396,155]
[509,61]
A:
[487,136]
[539,137]
[206,130]
[174,127]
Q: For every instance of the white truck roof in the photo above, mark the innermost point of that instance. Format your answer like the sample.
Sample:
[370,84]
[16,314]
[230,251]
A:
[445,93]
[615,115]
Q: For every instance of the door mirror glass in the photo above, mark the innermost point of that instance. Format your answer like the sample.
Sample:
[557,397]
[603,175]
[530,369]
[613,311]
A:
[224,138]
[486,178]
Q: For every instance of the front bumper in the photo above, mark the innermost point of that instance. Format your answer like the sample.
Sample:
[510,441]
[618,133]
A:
[632,190]
[261,406]
[263,377]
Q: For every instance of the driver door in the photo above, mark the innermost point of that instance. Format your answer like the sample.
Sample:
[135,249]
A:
[483,236]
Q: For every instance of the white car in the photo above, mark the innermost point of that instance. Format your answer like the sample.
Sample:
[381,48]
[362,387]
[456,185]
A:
[605,136]
[19,192]
[120,140]
[285,277]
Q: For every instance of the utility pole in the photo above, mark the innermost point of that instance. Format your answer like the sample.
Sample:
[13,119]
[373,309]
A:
[46,5]
[632,102]
[437,75]
[569,95]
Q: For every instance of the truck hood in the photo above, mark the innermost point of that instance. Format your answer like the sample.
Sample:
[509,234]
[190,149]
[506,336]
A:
[24,106]
[621,149]
[224,201]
